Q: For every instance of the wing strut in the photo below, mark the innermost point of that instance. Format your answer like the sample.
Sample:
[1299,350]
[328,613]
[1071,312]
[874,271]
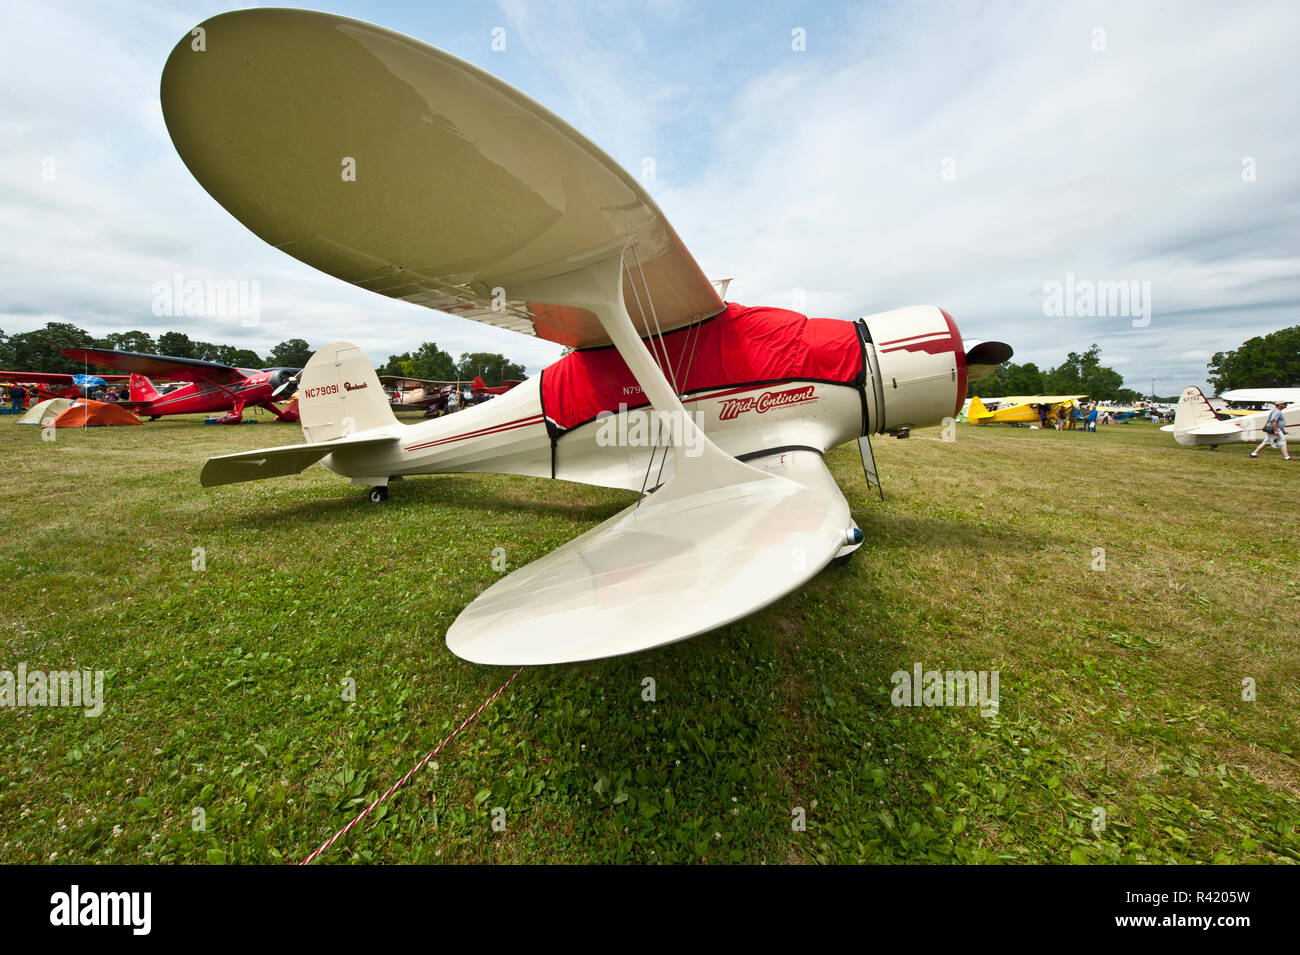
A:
[597,287]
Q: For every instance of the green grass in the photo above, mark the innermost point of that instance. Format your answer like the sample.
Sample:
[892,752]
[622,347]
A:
[1120,689]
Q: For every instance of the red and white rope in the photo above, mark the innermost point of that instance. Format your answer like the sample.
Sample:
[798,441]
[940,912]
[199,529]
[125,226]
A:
[392,789]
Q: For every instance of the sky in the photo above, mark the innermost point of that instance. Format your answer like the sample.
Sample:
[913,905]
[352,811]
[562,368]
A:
[843,159]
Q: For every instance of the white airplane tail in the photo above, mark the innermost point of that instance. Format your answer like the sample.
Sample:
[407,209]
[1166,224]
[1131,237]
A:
[1193,411]
[340,395]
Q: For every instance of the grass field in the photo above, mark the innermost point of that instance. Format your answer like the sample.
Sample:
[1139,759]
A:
[226,735]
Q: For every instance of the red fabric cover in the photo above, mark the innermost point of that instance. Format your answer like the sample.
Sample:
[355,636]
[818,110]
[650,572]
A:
[740,346]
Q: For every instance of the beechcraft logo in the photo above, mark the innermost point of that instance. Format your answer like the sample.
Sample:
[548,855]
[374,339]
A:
[75,907]
[765,402]
[348,386]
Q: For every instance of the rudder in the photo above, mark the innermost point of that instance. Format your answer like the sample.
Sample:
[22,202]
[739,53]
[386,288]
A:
[142,389]
[1193,410]
[340,394]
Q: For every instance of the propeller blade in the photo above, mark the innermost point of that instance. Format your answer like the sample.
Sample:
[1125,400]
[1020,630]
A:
[984,358]
[287,388]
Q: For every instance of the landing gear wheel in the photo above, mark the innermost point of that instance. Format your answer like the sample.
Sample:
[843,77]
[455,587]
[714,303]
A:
[378,495]
[841,561]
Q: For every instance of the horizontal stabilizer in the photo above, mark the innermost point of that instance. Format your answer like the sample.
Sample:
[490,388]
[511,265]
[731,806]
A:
[662,571]
[277,462]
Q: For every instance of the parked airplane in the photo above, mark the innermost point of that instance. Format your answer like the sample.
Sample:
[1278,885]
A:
[489,195]
[436,396]
[1196,423]
[212,386]
[1019,409]
[405,393]
[479,387]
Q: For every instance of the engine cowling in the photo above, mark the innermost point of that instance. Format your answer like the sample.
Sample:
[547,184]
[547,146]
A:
[916,368]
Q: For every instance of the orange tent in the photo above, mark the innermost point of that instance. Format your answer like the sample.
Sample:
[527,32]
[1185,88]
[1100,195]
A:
[94,414]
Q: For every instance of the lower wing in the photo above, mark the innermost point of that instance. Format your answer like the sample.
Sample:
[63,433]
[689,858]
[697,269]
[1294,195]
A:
[664,569]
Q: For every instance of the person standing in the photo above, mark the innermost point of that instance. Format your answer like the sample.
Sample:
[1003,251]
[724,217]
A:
[1275,431]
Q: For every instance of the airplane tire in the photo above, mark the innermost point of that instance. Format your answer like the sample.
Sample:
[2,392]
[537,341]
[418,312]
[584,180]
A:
[841,561]
[378,495]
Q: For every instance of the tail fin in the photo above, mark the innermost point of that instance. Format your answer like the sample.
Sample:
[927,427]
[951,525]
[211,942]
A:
[479,383]
[1193,411]
[340,395]
[976,411]
[142,389]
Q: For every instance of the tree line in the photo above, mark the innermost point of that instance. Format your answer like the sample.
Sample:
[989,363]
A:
[432,363]
[41,350]
[1077,375]
[1265,361]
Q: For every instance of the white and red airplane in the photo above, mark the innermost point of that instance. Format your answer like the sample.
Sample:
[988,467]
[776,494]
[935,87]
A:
[460,193]
[1198,424]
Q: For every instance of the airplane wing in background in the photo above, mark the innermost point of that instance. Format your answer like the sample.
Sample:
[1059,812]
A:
[157,366]
[1263,395]
[1037,399]
[36,377]
[53,378]
[407,384]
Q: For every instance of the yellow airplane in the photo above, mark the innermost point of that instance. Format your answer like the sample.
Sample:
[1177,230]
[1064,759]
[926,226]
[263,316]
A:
[1019,409]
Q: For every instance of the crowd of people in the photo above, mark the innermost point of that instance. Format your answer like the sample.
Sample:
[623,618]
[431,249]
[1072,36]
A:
[1077,417]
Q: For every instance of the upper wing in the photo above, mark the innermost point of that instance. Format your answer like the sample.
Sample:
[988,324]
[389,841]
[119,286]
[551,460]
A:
[157,366]
[663,570]
[1038,399]
[404,170]
[1263,395]
[407,383]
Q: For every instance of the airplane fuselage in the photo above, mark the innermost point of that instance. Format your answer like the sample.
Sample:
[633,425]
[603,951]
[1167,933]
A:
[583,420]
[257,388]
[1242,429]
